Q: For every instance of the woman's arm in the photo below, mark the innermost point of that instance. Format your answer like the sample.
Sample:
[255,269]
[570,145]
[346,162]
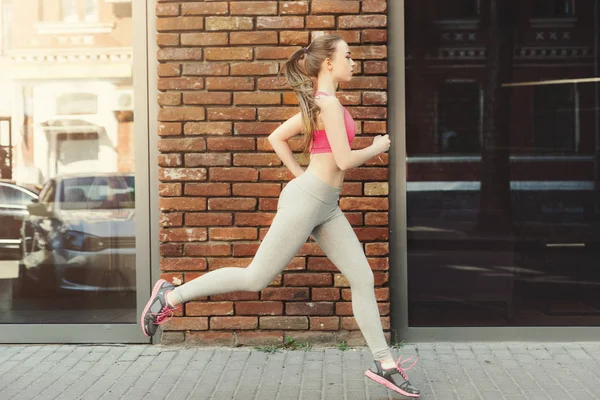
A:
[332,115]
[279,138]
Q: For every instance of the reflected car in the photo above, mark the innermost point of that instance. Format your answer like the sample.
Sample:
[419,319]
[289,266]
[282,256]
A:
[13,209]
[79,236]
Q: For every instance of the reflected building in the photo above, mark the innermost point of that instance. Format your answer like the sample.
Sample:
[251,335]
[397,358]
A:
[66,87]
[502,184]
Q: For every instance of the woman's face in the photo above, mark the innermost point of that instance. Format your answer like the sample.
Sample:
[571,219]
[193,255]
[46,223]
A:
[341,63]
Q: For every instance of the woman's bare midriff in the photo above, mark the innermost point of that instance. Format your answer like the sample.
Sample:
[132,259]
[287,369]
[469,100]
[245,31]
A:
[324,166]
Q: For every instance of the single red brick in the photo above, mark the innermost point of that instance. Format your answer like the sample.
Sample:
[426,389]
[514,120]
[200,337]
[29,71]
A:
[233,322]
[228,53]
[186,324]
[196,8]
[308,279]
[218,204]
[320,21]
[176,54]
[375,67]
[196,308]
[259,308]
[171,249]
[376,218]
[207,159]
[179,24]
[206,68]
[324,323]
[230,83]
[182,203]
[207,98]
[317,308]
[285,323]
[181,174]
[256,189]
[169,128]
[169,70]
[364,204]
[232,233]
[182,234]
[254,98]
[377,249]
[256,159]
[208,219]
[235,296]
[171,219]
[167,10]
[253,38]
[362,21]
[286,293]
[181,114]
[374,6]
[254,68]
[169,189]
[293,38]
[238,114]
[254,219]
[372,234]
[204,39]
[325,294]
[229,23]
[167,39]
[233,174]
[182,264]
[293,7]
[207,249]
[279,22]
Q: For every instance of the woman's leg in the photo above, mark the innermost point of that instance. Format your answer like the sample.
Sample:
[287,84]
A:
[297,214]
[339,242]
[283,240]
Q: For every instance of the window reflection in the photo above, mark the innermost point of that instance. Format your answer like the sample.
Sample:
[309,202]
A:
[67,198]
[503,181]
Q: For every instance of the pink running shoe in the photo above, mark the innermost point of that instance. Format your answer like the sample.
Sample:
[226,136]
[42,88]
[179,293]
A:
[394,378]
[157,311]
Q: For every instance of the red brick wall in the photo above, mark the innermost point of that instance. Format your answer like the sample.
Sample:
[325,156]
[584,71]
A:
[220,179]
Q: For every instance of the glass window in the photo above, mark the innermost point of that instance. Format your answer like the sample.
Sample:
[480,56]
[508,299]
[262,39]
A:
[70,12]
[458,117]
[13,196]
[74,137]
[553,8]
[506,235]
[554,119]
[90,10]
[457,9]
[98,192]
[6,22]
[77,104]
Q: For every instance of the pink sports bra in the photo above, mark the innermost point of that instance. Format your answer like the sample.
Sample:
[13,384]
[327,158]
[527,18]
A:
[320,144]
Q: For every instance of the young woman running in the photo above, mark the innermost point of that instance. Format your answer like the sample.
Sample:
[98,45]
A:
[308,206]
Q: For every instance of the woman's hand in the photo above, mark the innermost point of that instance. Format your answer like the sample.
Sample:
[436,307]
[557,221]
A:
[382,143]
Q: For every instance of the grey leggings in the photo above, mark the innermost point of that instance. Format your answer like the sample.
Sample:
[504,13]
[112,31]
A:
[307,206]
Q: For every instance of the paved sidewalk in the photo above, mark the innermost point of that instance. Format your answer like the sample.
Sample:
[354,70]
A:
[445,371]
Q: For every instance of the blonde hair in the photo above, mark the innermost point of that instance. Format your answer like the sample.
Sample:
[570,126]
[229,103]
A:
[299,70]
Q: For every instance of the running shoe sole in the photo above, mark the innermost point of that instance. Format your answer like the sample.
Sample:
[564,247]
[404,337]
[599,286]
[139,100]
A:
[373,376]
[155,290]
